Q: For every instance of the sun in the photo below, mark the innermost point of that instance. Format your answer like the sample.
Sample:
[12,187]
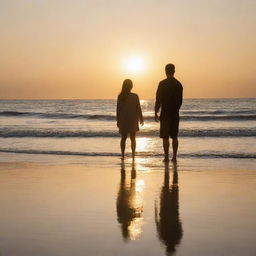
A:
[134,65]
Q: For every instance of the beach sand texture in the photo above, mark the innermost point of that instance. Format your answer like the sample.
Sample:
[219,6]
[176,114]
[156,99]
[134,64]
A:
[126,209]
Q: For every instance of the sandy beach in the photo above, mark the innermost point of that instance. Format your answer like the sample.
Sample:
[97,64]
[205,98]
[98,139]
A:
[126,209]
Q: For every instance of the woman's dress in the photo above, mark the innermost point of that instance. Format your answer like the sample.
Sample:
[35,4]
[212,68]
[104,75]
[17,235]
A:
[128,113]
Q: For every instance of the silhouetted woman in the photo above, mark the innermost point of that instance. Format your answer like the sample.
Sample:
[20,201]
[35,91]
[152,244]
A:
[128,115]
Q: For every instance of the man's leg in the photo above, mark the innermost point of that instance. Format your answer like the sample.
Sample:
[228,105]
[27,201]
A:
[133,143]
[166,145]
[175,144]
[122,144]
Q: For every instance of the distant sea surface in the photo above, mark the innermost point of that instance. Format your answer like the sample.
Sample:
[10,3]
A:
[209,129]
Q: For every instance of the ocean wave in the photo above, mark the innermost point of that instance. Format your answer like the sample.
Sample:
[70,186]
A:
[141,154]
[186,116]
[216,112]
[56,115]
[5,133]
[219,118]
[11,113]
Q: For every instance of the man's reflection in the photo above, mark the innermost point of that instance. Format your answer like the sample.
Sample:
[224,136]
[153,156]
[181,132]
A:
[129,204]
[169,226]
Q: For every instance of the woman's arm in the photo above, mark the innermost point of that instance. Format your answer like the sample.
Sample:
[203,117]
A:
[117,112]
[140,112]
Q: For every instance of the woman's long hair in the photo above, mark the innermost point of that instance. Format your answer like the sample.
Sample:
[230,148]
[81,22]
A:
[126,88]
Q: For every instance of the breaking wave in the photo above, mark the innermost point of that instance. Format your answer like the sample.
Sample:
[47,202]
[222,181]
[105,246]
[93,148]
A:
[151,154]
[185,116]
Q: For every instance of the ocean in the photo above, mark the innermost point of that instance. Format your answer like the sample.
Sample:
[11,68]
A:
[38,130]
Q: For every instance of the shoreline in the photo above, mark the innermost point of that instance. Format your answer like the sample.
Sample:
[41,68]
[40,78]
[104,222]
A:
[103,161]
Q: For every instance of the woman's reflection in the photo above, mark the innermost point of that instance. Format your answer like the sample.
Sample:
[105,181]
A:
[169,226]
[129,205]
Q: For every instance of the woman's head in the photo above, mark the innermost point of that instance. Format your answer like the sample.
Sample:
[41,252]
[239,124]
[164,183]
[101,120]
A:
[126,88]
[127,85]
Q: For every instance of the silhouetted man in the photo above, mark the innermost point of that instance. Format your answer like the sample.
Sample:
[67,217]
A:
[169,99]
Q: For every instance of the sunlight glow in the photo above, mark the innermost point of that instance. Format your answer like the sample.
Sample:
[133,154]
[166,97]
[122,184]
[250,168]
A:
[134,65]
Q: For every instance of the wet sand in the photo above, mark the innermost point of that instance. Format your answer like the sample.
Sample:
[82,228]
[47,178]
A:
[126,209]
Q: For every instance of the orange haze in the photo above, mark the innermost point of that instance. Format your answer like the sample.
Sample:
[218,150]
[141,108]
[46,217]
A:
[75,49]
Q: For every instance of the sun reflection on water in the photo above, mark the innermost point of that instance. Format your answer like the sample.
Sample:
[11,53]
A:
[145,164]
[135,228]
[143,144]
[139,185]
[130,204]
[136,203]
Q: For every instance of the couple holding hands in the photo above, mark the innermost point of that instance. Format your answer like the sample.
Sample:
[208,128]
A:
[168,99]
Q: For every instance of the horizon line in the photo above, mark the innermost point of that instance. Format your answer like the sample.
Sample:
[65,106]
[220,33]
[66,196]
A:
[192,98]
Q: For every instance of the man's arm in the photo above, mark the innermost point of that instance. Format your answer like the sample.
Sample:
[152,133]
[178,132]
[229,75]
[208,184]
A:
[158,102]
[140,111]
[180,96]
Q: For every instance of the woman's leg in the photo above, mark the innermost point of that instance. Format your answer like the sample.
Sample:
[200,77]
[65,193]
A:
[122,143]
[133,143]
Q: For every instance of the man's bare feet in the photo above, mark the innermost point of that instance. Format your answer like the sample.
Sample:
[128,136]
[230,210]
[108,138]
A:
[166,160]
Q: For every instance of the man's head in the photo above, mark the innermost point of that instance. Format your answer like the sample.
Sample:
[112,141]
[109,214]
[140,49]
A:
[169,69]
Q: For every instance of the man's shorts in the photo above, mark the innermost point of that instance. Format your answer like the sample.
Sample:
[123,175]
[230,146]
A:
[169,127]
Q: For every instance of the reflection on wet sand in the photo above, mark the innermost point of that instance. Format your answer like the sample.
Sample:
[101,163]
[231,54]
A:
[129,204]
[168,223]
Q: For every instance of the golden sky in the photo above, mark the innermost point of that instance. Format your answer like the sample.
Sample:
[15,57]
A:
[77,49]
